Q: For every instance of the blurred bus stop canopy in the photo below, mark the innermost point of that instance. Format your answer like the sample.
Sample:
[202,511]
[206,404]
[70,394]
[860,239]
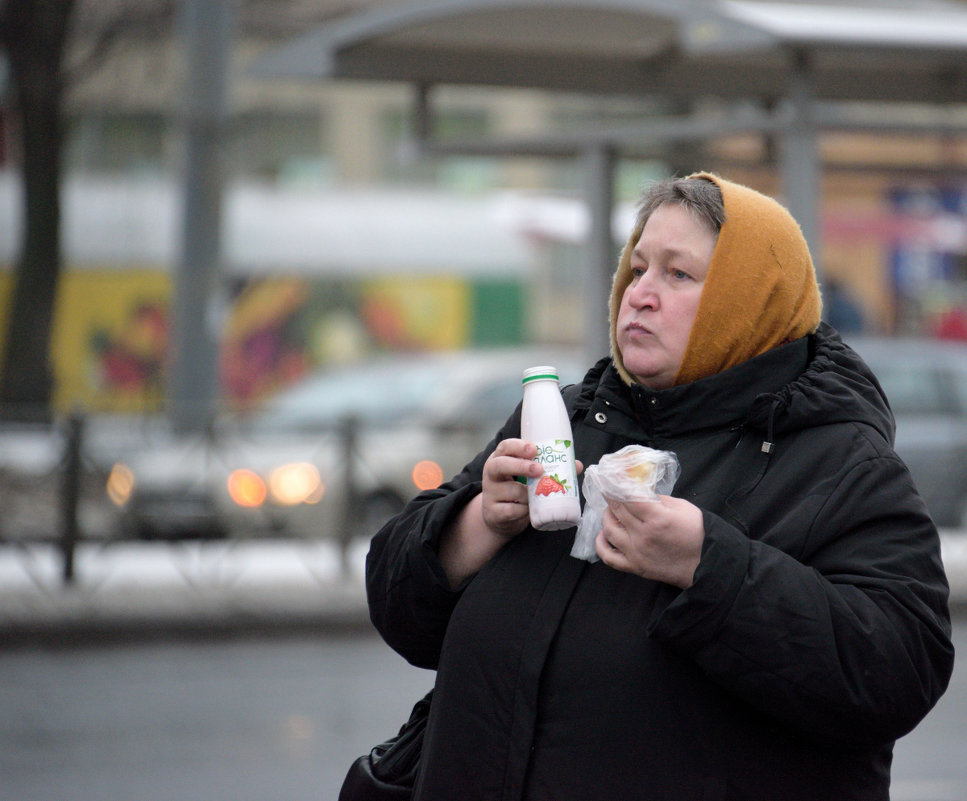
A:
[886,51]
[788,69]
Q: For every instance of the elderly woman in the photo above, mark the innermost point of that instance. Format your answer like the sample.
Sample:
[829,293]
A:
[767,632]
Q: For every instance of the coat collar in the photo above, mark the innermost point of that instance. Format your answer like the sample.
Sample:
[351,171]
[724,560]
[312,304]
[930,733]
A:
[814,379]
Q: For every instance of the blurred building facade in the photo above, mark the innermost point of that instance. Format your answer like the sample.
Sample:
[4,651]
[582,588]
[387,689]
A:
[894,213]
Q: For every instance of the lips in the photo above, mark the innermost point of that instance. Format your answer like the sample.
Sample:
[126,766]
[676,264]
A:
[635,329]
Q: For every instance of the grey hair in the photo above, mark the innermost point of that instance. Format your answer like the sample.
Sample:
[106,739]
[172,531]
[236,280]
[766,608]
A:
[700,196]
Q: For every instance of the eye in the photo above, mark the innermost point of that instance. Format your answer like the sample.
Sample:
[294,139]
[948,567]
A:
[680,275]
[637,272]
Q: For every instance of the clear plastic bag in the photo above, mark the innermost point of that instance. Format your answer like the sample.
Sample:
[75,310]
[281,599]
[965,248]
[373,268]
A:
[635,473]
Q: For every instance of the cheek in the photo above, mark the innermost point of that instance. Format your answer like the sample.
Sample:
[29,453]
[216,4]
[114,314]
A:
[685,318]
[624,308]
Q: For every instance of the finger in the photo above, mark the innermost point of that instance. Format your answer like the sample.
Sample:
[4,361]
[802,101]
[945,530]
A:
[505,518]
[506,492]
[507,468]
[504,513]
[515,490]
[516,447]
[618,514]
[631,513]
[614,533]
[605,548]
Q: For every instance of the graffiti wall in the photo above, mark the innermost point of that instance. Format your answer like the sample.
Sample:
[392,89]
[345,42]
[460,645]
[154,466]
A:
[111,332]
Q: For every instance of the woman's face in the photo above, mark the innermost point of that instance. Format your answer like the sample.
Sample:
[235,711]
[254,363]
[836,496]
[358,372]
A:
[668,266]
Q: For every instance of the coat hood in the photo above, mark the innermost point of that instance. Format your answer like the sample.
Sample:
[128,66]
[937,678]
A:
[837,387]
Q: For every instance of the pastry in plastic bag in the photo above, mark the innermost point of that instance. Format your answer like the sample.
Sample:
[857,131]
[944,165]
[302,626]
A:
[635,473]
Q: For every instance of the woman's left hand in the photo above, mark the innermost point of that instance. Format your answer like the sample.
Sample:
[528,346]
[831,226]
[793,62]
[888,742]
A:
[655,540]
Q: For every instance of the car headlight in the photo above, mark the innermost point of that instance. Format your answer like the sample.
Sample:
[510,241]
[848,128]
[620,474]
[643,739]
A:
[246,488]
[287,485]
[292,484]
[120,484]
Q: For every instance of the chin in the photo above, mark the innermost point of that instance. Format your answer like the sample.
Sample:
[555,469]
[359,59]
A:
[639,368]
[649,377]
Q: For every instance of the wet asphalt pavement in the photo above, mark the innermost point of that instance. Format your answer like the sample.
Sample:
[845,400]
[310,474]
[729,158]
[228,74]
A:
[271,719]
[230,720]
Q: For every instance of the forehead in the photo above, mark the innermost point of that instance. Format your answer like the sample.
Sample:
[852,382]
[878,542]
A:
[674,228]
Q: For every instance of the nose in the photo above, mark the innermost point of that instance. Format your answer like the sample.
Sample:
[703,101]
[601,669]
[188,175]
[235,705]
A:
[642,293]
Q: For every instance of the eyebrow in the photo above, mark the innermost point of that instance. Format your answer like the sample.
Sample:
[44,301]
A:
[668,252]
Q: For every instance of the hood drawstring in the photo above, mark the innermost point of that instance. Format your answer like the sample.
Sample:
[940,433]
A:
[770,439]
[767,444]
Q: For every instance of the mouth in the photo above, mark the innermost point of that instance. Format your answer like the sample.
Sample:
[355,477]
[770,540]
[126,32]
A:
[638,330]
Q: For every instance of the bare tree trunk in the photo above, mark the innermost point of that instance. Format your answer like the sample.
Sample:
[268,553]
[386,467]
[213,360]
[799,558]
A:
[34,33]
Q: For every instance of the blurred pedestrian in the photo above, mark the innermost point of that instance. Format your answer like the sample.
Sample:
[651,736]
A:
[767,632]
[843,311]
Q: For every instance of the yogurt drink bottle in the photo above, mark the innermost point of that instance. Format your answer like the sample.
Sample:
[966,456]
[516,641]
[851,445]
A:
[553,497]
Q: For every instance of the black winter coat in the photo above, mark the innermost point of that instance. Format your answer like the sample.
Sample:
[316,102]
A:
[816,631]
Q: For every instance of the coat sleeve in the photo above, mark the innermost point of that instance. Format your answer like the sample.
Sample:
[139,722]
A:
[410,600]
[849,639]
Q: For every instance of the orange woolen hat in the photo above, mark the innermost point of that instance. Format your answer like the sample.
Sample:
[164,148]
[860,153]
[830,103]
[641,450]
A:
[760,291]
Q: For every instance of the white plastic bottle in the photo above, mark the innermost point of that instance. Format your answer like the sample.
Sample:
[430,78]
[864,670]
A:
[553,498]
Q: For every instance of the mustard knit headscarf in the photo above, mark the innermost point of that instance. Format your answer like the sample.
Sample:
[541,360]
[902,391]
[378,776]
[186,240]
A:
[760,290]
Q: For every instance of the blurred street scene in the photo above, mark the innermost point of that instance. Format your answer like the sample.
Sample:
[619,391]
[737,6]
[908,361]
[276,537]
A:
[243,298]
[269,269]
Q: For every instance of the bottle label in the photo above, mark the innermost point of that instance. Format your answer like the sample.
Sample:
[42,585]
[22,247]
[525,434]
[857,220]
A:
[556,456]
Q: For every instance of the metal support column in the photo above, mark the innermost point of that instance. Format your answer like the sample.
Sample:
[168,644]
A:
[800,159]
[70,494]
[197,309]
[599,160]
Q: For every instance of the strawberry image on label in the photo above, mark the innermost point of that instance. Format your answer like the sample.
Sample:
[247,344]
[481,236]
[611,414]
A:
[550,484]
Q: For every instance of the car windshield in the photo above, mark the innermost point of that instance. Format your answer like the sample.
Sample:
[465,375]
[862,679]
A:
[372,394]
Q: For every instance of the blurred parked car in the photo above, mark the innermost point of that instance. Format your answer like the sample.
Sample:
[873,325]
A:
[926,384]
[409,423]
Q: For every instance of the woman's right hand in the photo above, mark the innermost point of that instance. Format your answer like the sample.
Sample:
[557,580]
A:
[498,514]
[494,516]
[504,497]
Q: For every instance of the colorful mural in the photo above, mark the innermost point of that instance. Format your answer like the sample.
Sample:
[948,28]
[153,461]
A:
[110,342]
